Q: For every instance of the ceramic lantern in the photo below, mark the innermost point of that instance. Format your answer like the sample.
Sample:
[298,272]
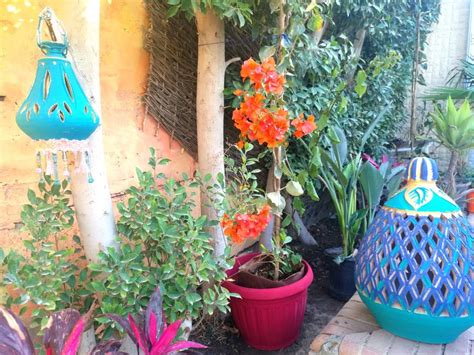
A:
[57,113]
[415,266]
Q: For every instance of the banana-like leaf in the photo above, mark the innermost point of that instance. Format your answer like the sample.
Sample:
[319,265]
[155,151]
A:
[14,338]
[339,149]
[372,183]
[63,332]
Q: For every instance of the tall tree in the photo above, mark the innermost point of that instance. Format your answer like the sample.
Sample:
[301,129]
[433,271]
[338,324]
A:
[209,16]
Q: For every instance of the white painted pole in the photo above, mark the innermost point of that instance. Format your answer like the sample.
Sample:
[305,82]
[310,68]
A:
[210,108]
[92,201]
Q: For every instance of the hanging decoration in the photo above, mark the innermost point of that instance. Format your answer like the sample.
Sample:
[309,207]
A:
[415,266]
[57,112]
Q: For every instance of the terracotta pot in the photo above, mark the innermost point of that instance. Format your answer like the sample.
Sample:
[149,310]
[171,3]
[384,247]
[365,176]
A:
[269,319]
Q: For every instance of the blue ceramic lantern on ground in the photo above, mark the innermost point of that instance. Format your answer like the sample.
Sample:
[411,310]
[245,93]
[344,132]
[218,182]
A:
[415,266]
[57,111]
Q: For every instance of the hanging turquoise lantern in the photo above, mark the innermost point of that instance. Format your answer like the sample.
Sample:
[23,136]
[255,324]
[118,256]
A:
[415,266]
[57,111]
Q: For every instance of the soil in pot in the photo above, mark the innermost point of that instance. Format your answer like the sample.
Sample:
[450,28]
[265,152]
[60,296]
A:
[269,318]
[258,273]
[341,284]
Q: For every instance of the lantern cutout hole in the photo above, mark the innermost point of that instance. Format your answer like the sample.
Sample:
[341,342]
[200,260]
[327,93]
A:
[61,115]
[52,109]
[46,85]
[67,108]
[36,108]
[68,87]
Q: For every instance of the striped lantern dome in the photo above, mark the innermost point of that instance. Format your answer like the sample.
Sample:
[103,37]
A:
[415,266]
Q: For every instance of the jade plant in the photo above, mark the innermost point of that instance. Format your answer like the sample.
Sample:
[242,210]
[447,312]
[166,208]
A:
[161,244]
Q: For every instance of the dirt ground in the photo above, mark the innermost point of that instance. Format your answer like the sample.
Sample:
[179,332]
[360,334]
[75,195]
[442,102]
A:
[222,338]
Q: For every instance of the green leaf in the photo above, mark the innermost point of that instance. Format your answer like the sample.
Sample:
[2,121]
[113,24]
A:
[266,52]
[172,11]
[294,188]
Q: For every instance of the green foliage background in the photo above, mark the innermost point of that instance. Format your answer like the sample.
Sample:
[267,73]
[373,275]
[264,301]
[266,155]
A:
[316,71]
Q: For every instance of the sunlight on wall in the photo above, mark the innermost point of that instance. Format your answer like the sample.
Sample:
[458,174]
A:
[128,131]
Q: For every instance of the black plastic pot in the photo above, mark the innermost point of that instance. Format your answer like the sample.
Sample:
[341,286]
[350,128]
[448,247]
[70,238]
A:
[341,284]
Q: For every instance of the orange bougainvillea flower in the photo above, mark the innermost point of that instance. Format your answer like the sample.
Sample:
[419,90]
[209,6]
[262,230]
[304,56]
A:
[238,92]
[246,226]
[263,75]
[254,71]
[240,144]
[271,128]
[258,123]
[274,83]
[303,127]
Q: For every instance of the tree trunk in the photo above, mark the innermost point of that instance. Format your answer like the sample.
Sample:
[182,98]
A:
[450,178]
[92,201]
[414,86]
[210,109]
[358,44]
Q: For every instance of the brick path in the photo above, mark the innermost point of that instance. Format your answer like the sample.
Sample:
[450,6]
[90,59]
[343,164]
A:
[354,331]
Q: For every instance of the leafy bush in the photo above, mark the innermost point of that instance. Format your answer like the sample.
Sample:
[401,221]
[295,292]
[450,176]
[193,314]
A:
[163,244]
[48,276]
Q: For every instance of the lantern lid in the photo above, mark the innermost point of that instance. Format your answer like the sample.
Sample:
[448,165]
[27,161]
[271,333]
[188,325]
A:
[421,195]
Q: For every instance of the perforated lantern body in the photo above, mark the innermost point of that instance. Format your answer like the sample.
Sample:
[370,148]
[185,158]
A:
[415,266]
[56,107]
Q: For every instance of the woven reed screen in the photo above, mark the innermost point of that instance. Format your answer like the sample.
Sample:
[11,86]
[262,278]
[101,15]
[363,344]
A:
[171,94]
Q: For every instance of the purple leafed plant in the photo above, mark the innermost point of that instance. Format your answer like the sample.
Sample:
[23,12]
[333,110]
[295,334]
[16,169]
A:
[151,334]
[61,337]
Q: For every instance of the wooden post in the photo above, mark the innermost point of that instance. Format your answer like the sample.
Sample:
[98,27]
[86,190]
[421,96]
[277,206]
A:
[92,201]
[210,108]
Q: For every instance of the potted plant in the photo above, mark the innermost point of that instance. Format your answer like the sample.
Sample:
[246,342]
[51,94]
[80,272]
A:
[355,187]
[272,284]
[340,178]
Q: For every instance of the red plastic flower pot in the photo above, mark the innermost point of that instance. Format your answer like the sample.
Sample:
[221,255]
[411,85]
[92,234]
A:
[269,319]
[470,202]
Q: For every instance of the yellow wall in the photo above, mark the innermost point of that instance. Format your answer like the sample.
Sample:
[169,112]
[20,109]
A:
[128,132]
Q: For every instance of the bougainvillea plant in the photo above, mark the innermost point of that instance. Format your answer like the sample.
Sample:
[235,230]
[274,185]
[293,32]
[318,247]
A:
[262,117]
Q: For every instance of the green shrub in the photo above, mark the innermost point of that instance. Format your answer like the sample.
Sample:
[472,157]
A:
[163,244]
[48,275]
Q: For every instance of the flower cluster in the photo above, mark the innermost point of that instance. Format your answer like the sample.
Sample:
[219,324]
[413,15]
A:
[263,76]
[246,226]
[260,119]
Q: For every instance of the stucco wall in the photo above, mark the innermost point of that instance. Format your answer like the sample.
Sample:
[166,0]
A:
[128,132]
[447,44]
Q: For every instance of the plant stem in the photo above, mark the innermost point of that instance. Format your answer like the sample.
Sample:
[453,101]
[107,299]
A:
[276,188]
[415,70]
[450,177]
